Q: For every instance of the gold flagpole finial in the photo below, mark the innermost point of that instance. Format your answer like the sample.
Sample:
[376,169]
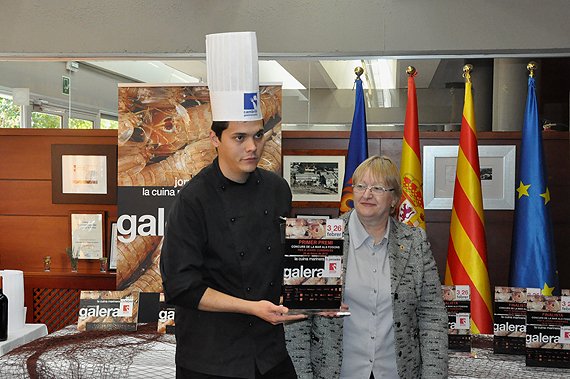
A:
[467,72]
[531,67]
[358,71]
[410,70]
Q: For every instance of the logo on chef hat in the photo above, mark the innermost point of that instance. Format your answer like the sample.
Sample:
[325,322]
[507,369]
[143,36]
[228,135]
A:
[250,103]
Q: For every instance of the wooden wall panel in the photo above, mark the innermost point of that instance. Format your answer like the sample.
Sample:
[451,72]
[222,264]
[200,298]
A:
[30,225]
[31,238]
[33,197]
[26,153]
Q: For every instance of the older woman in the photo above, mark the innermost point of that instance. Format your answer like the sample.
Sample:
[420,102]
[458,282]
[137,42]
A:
[398,323]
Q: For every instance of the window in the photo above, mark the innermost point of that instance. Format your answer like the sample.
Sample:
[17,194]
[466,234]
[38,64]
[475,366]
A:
[108,123]
[78,123]
[46,120]
[9,113]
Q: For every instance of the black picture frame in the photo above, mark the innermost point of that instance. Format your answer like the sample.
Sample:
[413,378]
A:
[58,151]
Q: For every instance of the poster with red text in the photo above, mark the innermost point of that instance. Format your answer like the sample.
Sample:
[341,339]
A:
[312,274]
[547,330]
[457,301]
[510,320]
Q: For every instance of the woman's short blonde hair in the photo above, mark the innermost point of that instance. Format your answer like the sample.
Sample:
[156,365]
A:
[384,172]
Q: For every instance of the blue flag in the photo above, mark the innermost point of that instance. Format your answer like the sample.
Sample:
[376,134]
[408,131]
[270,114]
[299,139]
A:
[357,147]
[533,259]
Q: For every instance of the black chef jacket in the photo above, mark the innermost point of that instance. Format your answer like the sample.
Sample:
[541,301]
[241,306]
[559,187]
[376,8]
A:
[226,236]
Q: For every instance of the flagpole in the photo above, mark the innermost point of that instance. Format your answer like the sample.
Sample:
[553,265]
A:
[358,71]
[531,67]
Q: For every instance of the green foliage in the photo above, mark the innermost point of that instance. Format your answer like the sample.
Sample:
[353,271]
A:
[9,114]
[45,120]
[109,124]
[77,123]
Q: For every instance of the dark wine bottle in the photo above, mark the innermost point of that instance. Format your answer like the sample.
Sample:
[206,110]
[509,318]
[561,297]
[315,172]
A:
[3,316]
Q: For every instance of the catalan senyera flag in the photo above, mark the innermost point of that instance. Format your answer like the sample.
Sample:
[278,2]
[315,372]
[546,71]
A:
[533,260]
[357,147]
[411,208]
[467,250]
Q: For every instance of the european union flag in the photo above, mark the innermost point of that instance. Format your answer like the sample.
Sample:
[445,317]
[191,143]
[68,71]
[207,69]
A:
[357,147]
[533,260]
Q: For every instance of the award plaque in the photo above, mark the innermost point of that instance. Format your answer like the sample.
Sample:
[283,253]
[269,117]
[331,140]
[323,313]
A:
[312,274]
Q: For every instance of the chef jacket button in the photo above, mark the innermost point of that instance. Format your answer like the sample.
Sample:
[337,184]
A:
[271,284]
[266,212]
[258,181]
[268,249]
[241,254]
[232,219]
[223,188]
[248,289]
[251,324]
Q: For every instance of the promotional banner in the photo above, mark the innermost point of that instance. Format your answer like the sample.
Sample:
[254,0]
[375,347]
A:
[108,310]
[510,320]
[312,274]
[547,330]
[163,142]
[457,301]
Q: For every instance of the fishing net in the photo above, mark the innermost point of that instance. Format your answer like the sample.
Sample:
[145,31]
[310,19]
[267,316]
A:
[94,354]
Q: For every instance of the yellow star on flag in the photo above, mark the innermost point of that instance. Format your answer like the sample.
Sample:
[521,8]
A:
[523,190]
[546,196]
[547,291]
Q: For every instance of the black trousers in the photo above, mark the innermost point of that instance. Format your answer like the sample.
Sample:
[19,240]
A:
[284,370]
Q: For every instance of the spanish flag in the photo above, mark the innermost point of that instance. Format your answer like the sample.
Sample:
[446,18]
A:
[411,208]
[467,251]
[357,145]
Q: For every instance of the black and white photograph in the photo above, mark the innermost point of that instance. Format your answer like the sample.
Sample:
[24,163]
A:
[314,178]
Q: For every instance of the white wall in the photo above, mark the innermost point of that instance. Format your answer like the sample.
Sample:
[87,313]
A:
[86,28]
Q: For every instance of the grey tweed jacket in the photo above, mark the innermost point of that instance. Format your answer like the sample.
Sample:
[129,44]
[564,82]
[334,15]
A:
[420,318]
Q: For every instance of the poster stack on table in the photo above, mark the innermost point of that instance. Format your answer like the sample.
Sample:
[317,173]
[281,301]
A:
[108,310]
[312,274]
[510,320]
[457,301]
[548,329]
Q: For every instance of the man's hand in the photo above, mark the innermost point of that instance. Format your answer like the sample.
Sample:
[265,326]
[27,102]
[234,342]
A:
[216,301]
[274,314]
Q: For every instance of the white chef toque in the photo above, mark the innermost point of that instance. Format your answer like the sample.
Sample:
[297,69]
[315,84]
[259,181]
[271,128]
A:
[233,76]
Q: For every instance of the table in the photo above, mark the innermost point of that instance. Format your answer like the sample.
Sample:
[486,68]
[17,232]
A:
[482,363]
[147,354]
[68,353]
[22,336]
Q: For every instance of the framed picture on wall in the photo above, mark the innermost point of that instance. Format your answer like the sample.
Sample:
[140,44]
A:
[87,234]
[497,164]
[84,174]
[314,178]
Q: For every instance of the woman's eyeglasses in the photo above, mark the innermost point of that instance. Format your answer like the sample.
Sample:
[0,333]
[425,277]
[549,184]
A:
[376,190]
